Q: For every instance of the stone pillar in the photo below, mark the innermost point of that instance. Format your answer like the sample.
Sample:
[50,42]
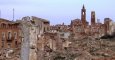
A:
[25,42]
[33,43]
[29,41]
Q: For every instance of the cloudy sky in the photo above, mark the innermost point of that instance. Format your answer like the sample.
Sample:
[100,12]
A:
[57,11]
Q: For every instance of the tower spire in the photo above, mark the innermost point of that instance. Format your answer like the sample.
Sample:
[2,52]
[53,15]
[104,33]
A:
[83,6]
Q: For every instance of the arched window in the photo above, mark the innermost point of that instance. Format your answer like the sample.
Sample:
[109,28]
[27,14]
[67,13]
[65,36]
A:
[83,13]
[3,36]
[15,35]
[9,35]
[3,39]
[3,25]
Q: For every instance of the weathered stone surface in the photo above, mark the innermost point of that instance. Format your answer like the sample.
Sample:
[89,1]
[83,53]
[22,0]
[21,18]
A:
[32,28]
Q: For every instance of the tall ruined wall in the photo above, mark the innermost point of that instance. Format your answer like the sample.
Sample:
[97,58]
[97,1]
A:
[29,41]
[25,41]
[32,28]
[33,43]
[111,28]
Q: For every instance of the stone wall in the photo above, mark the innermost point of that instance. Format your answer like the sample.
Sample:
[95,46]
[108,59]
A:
[32,28]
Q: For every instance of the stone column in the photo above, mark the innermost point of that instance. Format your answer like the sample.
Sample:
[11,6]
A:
[33,43]
[25,42]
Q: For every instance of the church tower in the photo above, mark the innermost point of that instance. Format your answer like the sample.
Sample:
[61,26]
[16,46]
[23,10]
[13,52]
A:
[92,18]
[83,16]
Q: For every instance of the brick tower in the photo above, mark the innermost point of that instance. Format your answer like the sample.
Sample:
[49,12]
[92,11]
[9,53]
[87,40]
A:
[92,18]
[83,16]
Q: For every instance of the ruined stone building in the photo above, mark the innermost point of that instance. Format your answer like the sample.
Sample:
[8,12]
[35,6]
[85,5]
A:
[42,24]
[32,30]
[62,30]
[111,27]
[77,27]
[59,28]
[107,23]
[9,34]
[53,28]
[50,40]
[96,29]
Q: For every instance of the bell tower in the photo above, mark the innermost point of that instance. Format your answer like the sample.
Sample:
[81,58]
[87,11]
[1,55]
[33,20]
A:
[92,18]
[83,16]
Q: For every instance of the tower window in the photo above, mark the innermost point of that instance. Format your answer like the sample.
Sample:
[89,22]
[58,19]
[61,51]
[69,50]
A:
[83,13]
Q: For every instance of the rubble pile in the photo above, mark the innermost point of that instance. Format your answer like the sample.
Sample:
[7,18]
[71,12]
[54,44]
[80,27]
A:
[10,54]
[87,48]
[95,49]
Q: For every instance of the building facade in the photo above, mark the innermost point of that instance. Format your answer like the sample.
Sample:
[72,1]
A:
[9,34]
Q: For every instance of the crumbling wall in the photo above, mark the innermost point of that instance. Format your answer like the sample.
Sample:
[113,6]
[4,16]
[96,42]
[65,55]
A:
[33,43]
[25,41]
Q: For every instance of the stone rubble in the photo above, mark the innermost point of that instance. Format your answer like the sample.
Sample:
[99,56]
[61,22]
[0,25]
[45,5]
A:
[86,48]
